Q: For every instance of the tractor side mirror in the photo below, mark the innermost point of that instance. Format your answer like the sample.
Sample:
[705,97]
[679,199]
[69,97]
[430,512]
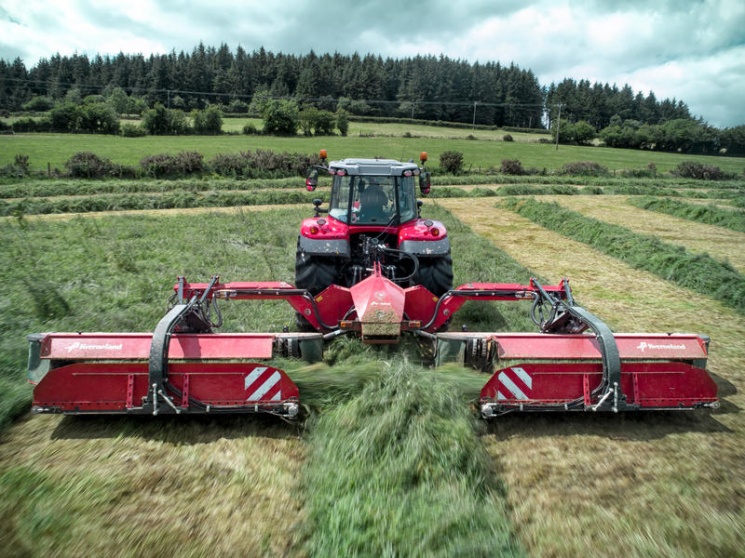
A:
[311,180]
[425,183]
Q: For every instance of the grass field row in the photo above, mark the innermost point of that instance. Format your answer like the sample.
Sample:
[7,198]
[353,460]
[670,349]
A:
[136,195]
[711,214]
[657,484]
[391,461]
[539,465]
[51,151]
[722,241]
[698,272]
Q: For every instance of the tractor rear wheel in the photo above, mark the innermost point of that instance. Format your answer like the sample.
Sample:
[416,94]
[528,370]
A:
[314,274]
[436,274]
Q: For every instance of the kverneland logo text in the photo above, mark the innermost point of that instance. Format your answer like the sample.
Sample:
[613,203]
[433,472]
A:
[78,346]
[670,346]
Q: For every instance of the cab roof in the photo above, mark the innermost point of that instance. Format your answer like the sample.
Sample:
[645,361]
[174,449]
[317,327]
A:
[379,167]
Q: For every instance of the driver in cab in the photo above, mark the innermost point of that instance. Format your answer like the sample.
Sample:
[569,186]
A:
[373,202]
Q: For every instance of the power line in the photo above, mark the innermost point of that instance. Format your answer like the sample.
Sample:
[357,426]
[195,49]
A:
[149,90]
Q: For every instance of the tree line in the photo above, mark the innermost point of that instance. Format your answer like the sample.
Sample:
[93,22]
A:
[421,87]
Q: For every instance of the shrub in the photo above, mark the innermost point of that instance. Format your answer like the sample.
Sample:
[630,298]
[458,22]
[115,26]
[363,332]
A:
[507,137]
[207,122]
[699,171]
[21,163]
[237,106]
[451,161]
[584,168]
[250,129]
[342,121]
[130,130]
[160,121]
[512,167]
[18,169]
[280,117]
[325,123]
[39,104]
[65,117]
[85,164]
[166,165]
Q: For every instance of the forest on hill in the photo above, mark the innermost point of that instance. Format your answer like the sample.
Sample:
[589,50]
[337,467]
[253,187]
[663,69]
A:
[425,88]
[422,87]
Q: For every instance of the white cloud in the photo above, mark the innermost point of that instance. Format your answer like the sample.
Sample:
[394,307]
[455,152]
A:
[691,50]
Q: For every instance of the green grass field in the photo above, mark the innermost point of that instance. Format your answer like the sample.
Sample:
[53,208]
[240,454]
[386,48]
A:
[392,460]
[364,139]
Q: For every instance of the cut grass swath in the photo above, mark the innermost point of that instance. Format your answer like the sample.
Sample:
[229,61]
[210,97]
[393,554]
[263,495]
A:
[709,214]
[698,272]
[81,187]
[397,471]
[168,200]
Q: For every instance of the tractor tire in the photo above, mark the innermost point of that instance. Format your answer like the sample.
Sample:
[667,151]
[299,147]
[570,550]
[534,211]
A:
[436,274]
[314,274]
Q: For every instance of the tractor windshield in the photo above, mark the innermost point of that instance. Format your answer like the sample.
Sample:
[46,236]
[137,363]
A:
[372,200]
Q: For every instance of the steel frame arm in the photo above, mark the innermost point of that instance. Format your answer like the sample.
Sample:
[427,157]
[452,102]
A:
[609,391]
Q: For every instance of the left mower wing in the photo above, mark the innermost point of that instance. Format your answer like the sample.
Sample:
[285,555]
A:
[182,367]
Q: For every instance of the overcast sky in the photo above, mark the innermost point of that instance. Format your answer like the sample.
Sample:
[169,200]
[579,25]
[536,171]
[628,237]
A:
[690,50]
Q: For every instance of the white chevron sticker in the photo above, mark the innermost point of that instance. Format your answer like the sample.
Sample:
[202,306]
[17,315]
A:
[510,378]
[260,386]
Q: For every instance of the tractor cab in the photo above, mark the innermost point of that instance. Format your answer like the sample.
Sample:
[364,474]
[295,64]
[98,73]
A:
[374,192]
[373,199]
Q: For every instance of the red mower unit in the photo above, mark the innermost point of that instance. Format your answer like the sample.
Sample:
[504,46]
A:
[369,265]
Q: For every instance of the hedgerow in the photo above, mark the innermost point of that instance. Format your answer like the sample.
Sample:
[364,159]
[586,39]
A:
[699,171]
[165,165]
[85,164]
[584,168]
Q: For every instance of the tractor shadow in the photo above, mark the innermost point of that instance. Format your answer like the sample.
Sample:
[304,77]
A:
[192,430]
[629,426]
[632,426]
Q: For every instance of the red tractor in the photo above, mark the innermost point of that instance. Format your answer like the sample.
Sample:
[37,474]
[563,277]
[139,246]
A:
[373,214]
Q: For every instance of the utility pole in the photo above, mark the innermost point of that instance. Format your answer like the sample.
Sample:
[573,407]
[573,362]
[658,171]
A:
[558,127]
[474,115]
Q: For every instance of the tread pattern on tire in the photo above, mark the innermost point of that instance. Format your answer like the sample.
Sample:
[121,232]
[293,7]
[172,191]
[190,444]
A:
[314,274]
[436,274]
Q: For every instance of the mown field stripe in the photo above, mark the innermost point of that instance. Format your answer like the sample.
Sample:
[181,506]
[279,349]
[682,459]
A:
[721,243]
[168,200]
[81,187]
[709,214]
[399,471]
[657,484]
[699,272]
[116,486]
